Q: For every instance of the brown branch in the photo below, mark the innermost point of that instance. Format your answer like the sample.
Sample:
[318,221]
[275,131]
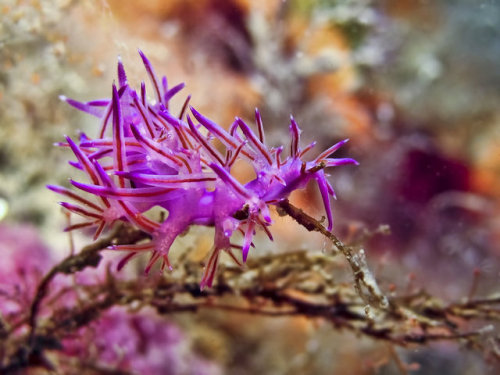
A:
[291,284]
[343,309]
[364,281]
[271,286]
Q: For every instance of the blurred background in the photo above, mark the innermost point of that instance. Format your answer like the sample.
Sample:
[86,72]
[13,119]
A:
[415,85]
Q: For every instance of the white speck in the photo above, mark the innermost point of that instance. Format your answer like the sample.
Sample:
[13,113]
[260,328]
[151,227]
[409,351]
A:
[4,208]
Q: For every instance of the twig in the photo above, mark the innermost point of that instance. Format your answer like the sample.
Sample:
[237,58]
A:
[363,278]
[291,284]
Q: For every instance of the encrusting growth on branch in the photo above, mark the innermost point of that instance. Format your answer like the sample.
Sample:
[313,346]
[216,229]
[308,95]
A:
[297,283]
[365,283]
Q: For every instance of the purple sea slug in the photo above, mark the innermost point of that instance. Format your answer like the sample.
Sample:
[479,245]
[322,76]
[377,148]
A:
[145,156]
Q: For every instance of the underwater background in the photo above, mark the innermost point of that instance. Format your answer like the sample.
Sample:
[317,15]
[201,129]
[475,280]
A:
[414,85]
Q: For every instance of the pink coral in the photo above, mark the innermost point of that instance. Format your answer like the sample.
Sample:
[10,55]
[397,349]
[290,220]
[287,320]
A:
[140,343]
[24,259]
